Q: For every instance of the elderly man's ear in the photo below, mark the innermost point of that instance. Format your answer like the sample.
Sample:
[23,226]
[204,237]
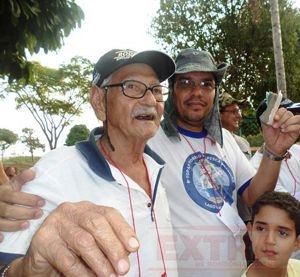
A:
[97,99]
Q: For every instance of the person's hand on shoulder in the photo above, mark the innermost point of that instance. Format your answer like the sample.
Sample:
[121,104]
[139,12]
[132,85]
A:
[15,217]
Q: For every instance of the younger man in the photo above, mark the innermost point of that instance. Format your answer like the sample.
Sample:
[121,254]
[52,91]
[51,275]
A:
[275,234]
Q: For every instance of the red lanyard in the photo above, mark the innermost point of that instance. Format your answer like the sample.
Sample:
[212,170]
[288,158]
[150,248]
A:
[164,274]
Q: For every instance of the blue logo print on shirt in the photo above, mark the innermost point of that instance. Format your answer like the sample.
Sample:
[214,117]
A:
[208,181]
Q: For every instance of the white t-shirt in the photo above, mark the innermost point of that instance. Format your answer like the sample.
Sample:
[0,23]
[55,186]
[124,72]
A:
[289,175]
[244,145]
[65,175]
[208,241]
[293,269]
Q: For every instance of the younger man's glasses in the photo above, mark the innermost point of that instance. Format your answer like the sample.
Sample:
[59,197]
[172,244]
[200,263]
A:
[136,89]
[187,84]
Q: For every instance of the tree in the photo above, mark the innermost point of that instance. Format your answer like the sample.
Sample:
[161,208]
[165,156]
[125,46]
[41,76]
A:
[31,141]
[54,96]
[7,138]
[232,32]
[77,133]
[277,45]
[31,26]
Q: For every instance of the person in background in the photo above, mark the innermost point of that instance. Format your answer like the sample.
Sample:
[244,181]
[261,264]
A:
[205,170]
[275,234]
[289,176]
[231,118]
[114,168]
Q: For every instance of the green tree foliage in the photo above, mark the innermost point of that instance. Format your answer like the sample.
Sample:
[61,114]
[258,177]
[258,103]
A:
[249,125]
[54,96]
[77,133]
[238,32]
[31,141]
[7,138]
[255,140]
[31,26]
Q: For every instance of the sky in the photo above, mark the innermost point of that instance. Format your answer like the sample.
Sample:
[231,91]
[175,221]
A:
[108,24]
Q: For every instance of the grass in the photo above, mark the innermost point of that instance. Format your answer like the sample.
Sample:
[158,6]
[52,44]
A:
[20,162]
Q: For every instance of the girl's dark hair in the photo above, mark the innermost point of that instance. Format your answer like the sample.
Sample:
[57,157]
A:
[280,200]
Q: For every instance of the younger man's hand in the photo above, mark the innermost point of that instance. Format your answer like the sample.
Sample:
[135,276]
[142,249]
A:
[16,217]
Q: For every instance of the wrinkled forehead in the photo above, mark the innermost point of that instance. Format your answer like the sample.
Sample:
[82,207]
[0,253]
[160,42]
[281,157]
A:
[135,71]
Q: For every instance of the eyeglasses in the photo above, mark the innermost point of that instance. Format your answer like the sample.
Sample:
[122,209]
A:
[233,112]
[136,90]
[189,84]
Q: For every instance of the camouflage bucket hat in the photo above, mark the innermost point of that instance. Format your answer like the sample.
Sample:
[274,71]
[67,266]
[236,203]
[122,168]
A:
[226,99]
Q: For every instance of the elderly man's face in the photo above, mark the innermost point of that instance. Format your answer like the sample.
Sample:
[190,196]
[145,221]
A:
[133,118]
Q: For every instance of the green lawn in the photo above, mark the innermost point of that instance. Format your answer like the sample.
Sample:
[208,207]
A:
[20,162]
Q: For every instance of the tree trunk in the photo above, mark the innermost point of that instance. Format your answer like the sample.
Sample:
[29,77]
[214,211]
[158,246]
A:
[277,45]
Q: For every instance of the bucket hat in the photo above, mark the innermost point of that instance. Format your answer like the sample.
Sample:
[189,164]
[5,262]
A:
[193,60]
[227,99]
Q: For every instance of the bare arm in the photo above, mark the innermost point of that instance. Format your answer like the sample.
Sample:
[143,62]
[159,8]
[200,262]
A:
[278,139]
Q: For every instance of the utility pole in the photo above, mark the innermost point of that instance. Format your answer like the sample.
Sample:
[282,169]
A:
[277,45]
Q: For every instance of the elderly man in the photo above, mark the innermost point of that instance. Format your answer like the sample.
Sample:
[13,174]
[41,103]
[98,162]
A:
[113,168]
[205,170]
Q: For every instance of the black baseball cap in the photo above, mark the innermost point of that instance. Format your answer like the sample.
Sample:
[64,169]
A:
[113,60]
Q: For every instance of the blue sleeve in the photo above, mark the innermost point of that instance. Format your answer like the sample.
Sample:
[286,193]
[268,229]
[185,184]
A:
[6,258]
[244,187]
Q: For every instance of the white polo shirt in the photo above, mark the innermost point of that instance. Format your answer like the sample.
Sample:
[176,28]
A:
[73,174]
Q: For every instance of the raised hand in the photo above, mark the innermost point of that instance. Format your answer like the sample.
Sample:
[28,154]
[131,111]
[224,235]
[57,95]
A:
[283,133]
